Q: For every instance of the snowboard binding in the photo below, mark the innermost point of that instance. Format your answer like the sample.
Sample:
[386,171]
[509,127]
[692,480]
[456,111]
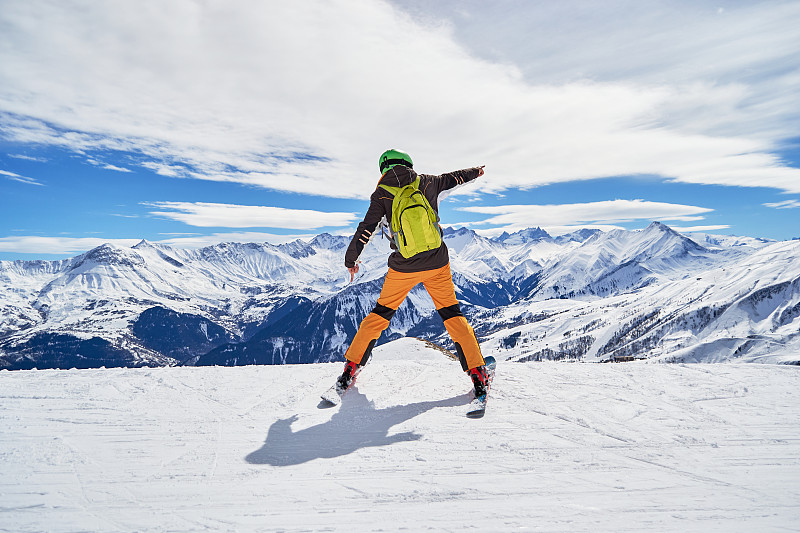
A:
[480,380]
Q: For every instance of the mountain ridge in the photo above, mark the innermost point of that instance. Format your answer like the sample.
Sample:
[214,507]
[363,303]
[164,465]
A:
[293,303]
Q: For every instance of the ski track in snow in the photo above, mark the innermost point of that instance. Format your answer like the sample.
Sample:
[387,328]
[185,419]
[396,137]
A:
[563,447]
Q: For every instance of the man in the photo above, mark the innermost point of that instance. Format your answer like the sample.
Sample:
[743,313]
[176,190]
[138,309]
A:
[430,267]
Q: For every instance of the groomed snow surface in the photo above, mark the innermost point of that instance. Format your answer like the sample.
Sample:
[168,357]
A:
[563,447]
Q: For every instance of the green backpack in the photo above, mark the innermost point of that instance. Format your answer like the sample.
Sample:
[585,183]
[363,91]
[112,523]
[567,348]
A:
[415,225]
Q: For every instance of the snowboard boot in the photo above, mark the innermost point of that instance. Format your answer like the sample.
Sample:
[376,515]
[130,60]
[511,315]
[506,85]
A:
[479,380]
[347,378]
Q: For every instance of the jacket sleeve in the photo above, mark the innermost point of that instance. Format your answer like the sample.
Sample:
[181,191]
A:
[452,179]
[364,232]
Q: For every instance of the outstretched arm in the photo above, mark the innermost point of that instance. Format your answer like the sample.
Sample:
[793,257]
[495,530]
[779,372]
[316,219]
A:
[453,179]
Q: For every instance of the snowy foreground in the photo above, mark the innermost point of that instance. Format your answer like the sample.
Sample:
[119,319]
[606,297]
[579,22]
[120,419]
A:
[563,447]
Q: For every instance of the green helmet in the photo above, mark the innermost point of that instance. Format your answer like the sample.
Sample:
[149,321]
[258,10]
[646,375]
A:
[390,158]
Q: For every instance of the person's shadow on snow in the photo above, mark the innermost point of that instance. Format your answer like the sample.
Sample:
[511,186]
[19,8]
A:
[356,425]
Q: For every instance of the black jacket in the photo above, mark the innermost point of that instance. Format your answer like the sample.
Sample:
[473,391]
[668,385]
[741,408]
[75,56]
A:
[380,205]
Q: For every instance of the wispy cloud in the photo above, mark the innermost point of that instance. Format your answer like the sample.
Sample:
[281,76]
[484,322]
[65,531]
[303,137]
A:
[731,71]
[787,204]
[170,171]
[226,100]
[247,216]
[22,179]
[32,244]
[568,217]
[695,229]
[106,166]
[28,158]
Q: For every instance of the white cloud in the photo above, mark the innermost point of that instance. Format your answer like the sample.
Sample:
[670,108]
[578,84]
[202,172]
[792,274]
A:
[245,91]
[248,216]
[606,214]
[106,166]
[116,168]
[744,55]
[28,158]
[16,177]
[32,244]
[170,171]
[694,229]
[786,204]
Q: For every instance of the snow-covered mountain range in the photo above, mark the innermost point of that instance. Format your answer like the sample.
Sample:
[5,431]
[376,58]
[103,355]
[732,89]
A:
[652,293]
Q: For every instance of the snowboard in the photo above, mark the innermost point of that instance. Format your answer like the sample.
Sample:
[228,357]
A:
[477,407]
[333,396]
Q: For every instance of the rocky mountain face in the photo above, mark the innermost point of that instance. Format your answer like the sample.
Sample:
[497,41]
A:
[652,293]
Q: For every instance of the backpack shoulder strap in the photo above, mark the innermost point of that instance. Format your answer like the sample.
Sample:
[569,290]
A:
[392,190]
[395,190]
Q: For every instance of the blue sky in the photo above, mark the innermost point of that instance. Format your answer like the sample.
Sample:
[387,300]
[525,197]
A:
[192,123]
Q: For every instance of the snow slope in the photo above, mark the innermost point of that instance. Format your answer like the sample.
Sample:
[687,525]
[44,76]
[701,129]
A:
[564,447]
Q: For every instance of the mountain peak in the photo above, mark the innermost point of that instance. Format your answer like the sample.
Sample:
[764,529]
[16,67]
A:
[326,240]
[581,235]
[298,249]
[108,254]
[658,239]
[524,236]
[660,226]
[448,231]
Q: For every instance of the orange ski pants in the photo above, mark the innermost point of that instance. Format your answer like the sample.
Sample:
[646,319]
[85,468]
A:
[396,286]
